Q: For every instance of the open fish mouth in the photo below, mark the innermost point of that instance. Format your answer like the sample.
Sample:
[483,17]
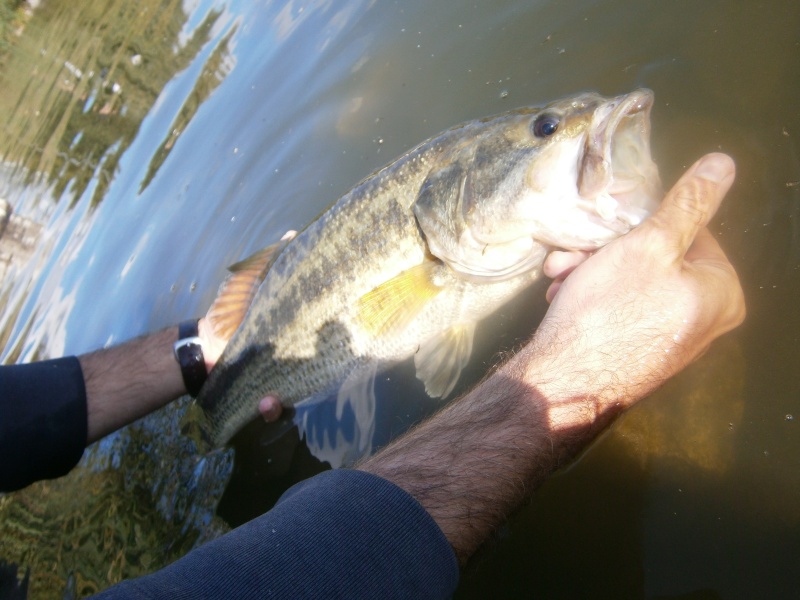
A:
[618,179]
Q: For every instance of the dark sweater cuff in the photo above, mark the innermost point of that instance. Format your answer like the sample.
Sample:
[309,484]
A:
[44,421]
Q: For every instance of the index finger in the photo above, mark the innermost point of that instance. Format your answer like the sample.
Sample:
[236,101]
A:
[693,201]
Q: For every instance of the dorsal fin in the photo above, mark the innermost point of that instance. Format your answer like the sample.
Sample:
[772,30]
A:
[237,291]
[391,306]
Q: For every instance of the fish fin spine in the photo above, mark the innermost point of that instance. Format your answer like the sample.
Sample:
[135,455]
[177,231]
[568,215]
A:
[238,290]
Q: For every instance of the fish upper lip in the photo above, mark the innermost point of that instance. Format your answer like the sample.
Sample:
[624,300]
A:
[600,161]
[607,118]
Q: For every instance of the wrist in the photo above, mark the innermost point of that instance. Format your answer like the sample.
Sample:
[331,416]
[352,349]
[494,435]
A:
[126,382]
[188,352]
[574,389]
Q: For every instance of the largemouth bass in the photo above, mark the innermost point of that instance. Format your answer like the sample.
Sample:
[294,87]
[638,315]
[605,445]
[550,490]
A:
[406,263]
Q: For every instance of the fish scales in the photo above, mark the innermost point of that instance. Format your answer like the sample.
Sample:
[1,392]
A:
[313,285]
[407,261]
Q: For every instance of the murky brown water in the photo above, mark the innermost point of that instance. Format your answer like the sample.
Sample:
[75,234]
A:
[159,142]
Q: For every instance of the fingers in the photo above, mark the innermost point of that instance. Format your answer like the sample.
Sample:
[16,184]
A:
[270,408]
[692,202]
[553,290]
[560,263]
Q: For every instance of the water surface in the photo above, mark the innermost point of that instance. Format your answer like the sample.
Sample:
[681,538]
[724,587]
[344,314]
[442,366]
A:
[158,143]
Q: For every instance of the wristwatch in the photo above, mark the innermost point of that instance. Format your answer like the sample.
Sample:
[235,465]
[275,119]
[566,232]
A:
[189,354]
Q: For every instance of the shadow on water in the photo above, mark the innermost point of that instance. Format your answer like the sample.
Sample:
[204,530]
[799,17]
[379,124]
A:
[157,142]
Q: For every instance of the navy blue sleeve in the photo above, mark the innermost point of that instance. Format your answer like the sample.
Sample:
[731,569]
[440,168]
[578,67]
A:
[43,421]
[341,534]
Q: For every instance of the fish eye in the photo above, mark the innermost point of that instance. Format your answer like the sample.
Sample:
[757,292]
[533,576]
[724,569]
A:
[545,125]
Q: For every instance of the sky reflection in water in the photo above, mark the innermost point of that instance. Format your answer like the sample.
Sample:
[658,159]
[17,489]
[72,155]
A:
[239,121]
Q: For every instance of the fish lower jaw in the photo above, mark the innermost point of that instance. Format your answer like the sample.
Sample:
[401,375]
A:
[621,205]
[602,221]
[606,206]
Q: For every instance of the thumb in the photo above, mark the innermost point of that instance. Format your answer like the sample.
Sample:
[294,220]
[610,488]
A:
[692,202]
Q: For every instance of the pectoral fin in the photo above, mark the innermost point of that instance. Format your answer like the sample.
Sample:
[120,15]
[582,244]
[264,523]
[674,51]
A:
[439,361]
[237,291]
[391,306]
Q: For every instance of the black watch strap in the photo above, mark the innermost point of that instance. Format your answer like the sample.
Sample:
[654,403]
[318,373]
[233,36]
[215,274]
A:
[189,354]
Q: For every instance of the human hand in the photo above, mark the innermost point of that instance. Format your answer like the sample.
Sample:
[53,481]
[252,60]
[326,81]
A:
[639,310]
[620,324]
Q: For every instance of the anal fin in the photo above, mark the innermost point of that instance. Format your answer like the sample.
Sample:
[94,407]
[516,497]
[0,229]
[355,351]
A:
[440,360]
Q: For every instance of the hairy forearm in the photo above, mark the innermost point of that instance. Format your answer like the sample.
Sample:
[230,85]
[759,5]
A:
[126,382]
[480,458]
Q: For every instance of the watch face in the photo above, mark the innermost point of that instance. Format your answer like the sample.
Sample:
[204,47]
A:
[189,354]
